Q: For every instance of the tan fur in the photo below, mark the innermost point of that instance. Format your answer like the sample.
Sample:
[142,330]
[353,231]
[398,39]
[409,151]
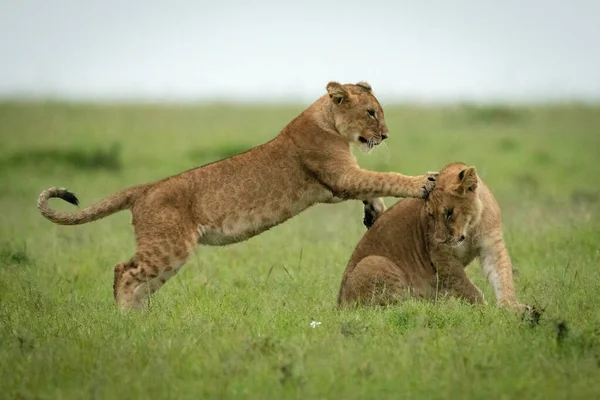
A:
[417,248]
[237,198]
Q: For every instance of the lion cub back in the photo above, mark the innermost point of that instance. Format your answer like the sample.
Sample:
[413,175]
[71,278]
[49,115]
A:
[390,257]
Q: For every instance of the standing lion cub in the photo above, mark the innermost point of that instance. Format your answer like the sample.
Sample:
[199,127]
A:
[421,247]
[237,198]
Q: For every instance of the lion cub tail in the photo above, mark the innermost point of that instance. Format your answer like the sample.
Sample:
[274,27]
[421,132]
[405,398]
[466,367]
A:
[117,202]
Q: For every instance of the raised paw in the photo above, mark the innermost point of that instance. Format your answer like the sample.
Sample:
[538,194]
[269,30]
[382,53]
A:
[429,183]
[372,210]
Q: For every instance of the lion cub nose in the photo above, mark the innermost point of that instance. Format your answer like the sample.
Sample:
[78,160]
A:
[461,238]
[384,136]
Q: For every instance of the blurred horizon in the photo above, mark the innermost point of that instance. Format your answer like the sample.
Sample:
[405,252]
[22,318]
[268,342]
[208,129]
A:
[286,52]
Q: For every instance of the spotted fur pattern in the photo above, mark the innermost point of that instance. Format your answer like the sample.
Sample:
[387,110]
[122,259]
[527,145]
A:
[237,198]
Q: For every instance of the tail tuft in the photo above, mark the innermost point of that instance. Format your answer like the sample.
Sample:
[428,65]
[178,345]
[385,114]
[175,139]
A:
[117,202]
[69,196]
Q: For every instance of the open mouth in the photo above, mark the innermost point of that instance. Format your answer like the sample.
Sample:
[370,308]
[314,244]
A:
[369,142]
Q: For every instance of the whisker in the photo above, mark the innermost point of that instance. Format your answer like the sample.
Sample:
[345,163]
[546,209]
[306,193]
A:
[388,154]
[371,142]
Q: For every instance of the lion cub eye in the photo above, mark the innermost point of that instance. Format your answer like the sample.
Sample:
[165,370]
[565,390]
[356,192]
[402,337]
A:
[449,213]
[371,113]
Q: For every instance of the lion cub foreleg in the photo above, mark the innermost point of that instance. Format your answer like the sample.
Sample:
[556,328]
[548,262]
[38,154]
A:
[363,184]
[452,280]
[497,268]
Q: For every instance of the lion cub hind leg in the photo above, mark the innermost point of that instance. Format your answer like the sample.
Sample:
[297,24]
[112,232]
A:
[375,280]
[154,263]
[138,278]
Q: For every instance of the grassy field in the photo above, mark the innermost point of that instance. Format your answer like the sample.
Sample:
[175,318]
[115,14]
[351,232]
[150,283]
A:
[235,323]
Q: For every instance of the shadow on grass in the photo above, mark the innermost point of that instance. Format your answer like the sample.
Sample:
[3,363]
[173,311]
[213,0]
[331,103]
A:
[42,159]
[585,343]
[289,365]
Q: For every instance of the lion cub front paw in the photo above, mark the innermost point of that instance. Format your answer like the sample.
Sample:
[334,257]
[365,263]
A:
[512,304]
[428,183]
[372,210]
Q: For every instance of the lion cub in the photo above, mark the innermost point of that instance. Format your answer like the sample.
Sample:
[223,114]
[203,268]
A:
[421,247]
[237,198]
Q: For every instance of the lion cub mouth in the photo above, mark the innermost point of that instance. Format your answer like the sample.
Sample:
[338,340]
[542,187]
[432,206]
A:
[369,143]
[455,242]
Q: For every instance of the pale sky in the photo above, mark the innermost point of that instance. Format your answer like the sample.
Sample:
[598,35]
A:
[181,50]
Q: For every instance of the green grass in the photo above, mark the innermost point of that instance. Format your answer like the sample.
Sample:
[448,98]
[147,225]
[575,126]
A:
[236,321]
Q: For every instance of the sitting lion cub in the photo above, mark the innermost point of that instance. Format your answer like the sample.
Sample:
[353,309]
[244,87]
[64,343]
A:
[421,247]
[232,200]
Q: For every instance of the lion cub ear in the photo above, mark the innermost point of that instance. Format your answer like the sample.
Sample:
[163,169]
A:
[365,85]
[337,93]
[468,180]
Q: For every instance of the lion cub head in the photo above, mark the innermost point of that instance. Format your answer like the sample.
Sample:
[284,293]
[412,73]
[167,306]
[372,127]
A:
[357,114]
[454,205]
